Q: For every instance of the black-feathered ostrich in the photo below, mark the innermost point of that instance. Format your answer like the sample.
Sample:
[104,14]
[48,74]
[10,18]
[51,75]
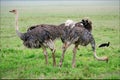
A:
[38,37]
[80,34]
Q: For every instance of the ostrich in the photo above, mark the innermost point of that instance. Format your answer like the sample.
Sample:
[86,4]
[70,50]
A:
[38,37]
[79,35]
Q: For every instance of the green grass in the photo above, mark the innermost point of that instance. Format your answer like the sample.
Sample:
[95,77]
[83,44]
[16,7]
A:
[16,61]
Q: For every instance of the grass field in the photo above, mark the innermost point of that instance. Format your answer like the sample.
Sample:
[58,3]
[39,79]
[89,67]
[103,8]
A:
[17,61]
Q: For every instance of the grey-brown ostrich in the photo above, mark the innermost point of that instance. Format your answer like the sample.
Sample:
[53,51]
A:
[79,35]
[38,37]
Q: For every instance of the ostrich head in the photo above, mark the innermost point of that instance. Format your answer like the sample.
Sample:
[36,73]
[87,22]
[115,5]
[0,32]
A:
[87,24]
[70,23]
[13,11]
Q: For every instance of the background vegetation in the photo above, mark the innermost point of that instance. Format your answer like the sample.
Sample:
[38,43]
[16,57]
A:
[17,61]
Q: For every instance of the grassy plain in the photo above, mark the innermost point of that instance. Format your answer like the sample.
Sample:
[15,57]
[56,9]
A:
[16,61]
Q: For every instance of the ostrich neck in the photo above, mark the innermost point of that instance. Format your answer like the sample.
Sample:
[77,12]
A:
[17,28]
[16,22]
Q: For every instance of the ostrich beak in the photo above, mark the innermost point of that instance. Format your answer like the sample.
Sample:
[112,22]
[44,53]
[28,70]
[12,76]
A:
[10,11]
[13,11]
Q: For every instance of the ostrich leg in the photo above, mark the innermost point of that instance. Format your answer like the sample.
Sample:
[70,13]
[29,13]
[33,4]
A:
[50,44]
[64,48]
[46,55]
[74,55]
